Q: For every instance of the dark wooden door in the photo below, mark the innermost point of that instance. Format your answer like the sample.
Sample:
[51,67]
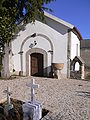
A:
[36,64]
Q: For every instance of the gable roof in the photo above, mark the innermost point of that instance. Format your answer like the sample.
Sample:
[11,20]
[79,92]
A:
[66,24]
[59,20]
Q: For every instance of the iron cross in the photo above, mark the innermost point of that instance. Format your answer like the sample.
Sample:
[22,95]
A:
[8,95]
[33,86]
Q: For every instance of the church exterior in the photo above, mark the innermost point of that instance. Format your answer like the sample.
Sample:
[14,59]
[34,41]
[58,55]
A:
[39,45]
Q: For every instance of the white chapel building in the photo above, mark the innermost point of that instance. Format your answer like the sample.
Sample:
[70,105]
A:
[38,45]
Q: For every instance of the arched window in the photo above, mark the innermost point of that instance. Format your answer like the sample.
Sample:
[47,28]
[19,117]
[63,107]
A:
[77,66]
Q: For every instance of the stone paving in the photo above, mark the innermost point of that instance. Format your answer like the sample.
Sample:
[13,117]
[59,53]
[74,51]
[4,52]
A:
[65,99]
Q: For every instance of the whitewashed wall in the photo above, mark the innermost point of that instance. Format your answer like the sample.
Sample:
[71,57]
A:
[74,42]
[59,38]
[75,51]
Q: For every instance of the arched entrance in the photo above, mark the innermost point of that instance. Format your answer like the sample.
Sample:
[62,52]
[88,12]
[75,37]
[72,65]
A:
[34,56]
[77,72]
[35,50]
[36,64]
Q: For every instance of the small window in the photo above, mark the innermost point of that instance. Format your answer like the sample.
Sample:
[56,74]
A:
[77,66]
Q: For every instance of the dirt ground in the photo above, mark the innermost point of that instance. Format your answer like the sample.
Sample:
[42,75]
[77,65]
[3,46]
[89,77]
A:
[67,99]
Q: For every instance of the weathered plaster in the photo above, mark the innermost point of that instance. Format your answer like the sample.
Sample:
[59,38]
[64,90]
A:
[68,54]
[21,51]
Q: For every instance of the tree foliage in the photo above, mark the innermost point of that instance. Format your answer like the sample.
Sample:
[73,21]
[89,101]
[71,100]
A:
[12,11]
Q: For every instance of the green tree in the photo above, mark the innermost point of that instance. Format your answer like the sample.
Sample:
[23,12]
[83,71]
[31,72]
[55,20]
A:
[12,12]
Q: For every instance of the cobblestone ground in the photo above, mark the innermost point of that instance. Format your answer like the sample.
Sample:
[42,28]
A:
[65,99]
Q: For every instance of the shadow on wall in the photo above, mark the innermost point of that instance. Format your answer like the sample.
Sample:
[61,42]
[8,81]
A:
[50,72]
[51,23]
[46,72]
[20,27]
[56,26]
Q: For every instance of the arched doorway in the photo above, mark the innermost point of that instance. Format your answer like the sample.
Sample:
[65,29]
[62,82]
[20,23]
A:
[36,64]
[28,72]
[33,52]
[77,68]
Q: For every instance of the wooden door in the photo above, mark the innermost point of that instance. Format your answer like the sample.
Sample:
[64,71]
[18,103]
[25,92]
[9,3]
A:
[36,64]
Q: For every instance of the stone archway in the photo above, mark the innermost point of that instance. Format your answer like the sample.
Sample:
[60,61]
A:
[80,73]
[27,38]
[28,60]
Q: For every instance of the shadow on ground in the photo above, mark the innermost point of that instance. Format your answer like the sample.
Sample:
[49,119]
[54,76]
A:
[83,94]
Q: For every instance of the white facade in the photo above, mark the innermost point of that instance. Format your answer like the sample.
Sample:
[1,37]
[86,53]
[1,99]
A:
[75,46]
[51,39]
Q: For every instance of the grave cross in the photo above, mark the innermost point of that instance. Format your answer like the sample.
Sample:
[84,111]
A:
[8,95]
[8,107]
[33,86]
[32,109]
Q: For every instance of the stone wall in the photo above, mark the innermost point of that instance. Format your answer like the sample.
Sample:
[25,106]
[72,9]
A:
[85,54]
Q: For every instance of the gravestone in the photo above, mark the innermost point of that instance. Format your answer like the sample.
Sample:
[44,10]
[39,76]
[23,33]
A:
[32,109]
[8,108]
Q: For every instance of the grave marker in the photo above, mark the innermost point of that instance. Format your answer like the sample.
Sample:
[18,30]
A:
[33,108]
[8,107]
[33,86]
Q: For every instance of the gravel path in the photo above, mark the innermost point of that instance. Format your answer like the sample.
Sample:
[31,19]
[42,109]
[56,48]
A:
[65,99]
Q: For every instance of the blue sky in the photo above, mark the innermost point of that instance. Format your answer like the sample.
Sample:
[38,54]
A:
[76,12]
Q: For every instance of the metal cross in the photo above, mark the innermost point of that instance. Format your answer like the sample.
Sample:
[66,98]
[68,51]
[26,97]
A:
[8,95]
[33,86]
